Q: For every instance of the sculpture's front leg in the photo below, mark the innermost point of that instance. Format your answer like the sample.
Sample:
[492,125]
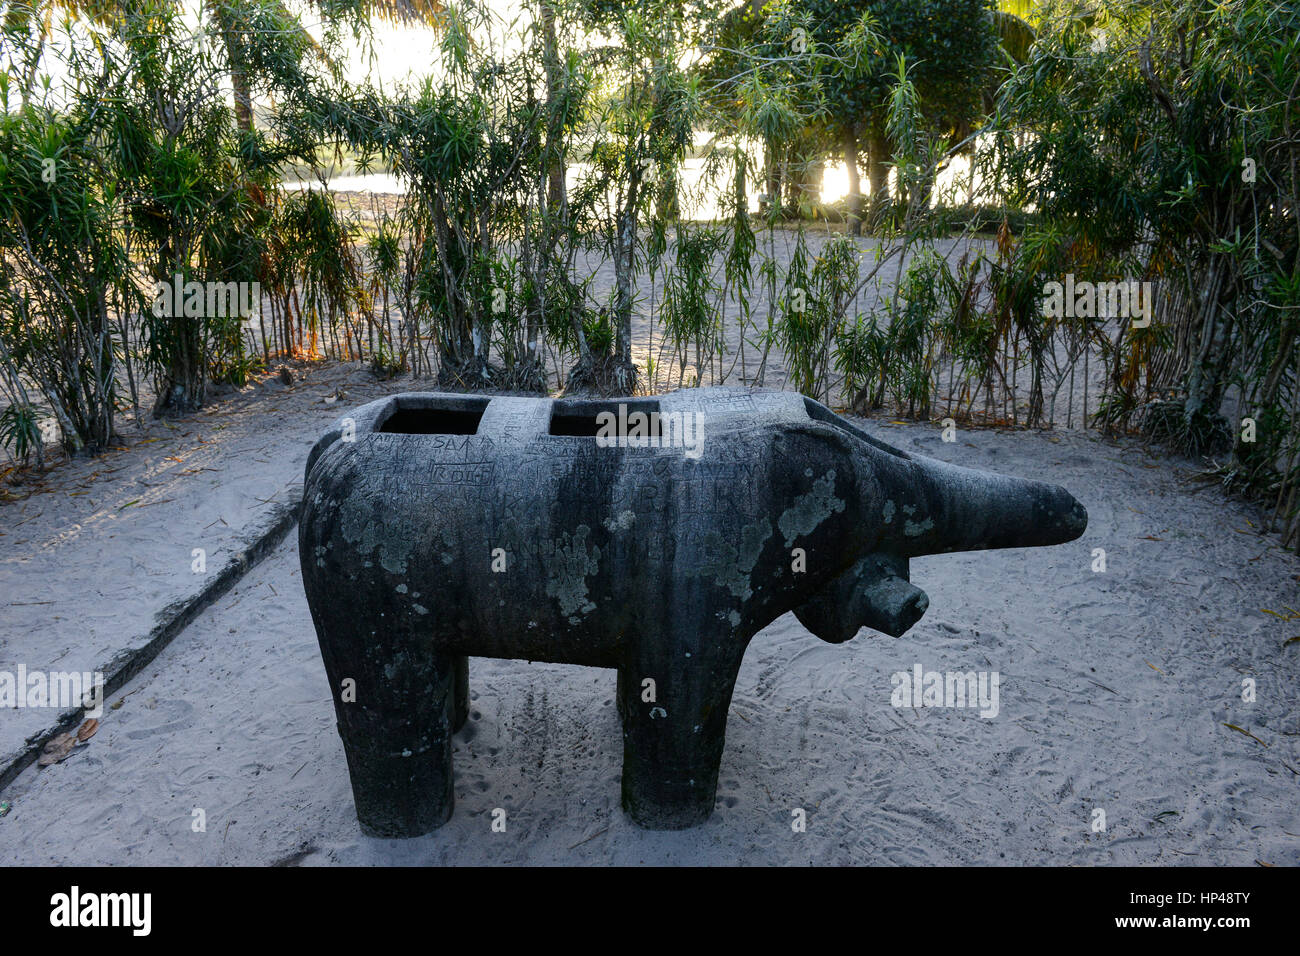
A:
[398,705]
[397,695]
[672,744]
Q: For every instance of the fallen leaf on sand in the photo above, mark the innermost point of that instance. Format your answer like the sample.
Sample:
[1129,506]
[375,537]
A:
[1247,733]
[57,750]
[1283,617]
[88,730]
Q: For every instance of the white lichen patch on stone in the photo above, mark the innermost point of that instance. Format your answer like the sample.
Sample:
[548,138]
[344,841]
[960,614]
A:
[914,528]
[622,522]
[567,582]
[887,512]
[731,567]
[810,509]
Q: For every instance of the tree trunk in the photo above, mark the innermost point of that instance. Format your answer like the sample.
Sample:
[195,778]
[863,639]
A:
[184,383]
[243,100]
[238,76]
[1204,391]
[182,380]
[804,190]
[624,262]
[878,156]
[849,144]
[556,192]
[772,175]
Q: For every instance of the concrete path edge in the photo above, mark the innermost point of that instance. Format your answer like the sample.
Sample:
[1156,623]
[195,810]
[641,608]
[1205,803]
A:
[171,621]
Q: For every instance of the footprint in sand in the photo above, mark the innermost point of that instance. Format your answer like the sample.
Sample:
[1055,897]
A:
[176,715]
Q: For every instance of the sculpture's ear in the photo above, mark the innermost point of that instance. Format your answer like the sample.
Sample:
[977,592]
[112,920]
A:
[820,413]
[874,593]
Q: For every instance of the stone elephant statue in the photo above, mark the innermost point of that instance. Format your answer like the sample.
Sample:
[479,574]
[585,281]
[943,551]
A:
[655,535]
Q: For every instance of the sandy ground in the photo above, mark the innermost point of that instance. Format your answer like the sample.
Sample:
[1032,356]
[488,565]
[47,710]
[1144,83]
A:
[1115,691]
[89,554]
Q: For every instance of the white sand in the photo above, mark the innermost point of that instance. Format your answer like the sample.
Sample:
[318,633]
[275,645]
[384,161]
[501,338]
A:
[1115,689]
[103,544]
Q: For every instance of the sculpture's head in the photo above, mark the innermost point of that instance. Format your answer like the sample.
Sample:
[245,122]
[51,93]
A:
[922,506]
[874,593]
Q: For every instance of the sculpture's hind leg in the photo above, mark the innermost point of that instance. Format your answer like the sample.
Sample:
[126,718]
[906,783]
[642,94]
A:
[460,700]
[618,694]
[396,701]
[672,746]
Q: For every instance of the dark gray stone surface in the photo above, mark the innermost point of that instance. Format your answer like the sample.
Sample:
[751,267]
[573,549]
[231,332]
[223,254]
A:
[437,527]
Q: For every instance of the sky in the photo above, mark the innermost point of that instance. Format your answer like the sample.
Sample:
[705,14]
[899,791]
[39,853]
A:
[395,52]
[398,51]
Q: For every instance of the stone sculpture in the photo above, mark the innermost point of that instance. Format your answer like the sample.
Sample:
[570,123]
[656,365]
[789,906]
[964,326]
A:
[651,535]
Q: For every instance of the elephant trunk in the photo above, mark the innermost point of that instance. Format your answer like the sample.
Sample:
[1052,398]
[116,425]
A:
[931,507]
